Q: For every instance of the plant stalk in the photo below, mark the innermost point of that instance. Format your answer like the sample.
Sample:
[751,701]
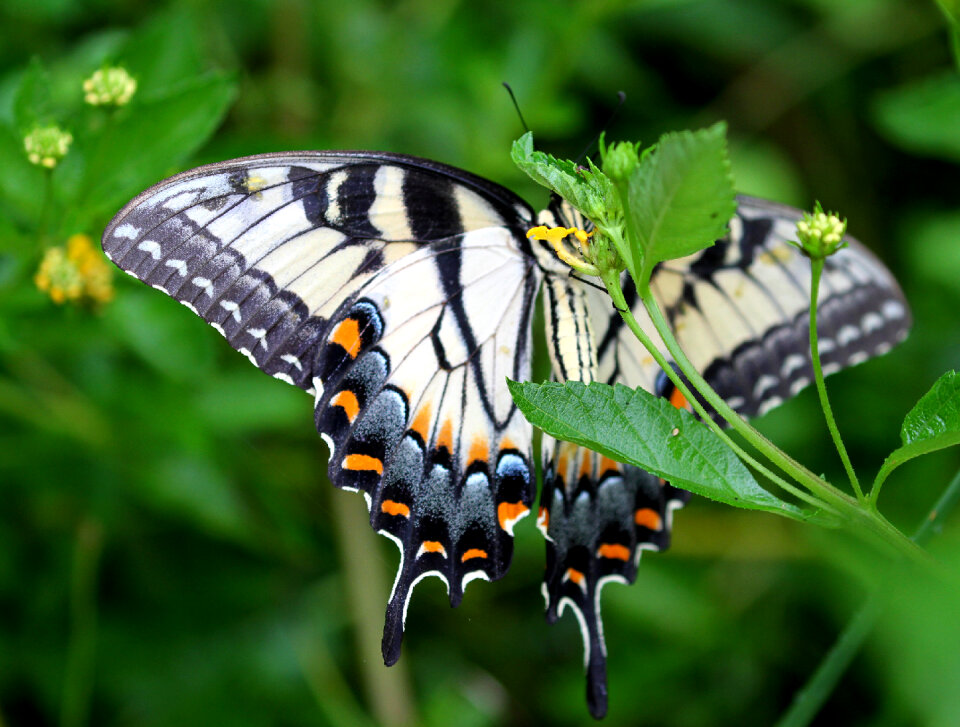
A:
[816,270]
[844,505]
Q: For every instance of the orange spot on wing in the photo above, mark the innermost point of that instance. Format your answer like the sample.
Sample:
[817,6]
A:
[478,450]
[392,507]
[679,400]
[507,443]
[362,462]
[562,467]
[421,422]
[509,512]
[607,464]
[432,546]
[574,575]
[648,518]
[347,400]
[473,553]
[445,438]
[586,464]
[614,551]
[347,335]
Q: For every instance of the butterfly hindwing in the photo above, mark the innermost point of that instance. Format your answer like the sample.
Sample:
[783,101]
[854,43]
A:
[597,516]
[396,291]
[739,309]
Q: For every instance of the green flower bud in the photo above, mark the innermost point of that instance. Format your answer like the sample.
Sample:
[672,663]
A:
[820,234]
[109,86]
[620,159]
[47,145]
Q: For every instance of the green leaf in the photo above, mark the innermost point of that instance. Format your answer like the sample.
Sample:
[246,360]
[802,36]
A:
[641,429]
[587,189]
[933,247]
[681,195]
[21,183]
[955,44]
[196,489]
[932,424]
[31,102]
[936,415]
[155,327]
[68,73]
[148,143]
[244,401]
[951,9]
[166,51]
[922,117]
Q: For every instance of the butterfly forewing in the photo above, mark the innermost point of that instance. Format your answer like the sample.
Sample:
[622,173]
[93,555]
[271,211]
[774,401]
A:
[396,291]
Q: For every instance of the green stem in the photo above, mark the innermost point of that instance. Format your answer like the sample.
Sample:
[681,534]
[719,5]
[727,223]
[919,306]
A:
[811,698]
[868,521]
[622,243]
[816,270]
[81,651]
[933,522]
[885,471]
[736,422]
[43,220]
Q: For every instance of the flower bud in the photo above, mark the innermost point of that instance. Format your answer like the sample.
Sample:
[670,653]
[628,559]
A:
[109,86]
[821,234]
[620,159]
[47,145]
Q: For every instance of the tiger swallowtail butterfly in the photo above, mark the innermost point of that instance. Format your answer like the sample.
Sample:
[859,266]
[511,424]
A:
[399,293]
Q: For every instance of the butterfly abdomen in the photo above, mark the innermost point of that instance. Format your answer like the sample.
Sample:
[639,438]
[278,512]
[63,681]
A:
[573,352]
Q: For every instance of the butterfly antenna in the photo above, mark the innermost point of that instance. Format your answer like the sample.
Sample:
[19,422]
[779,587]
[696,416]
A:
[622,99]
[516,106]
[587,282]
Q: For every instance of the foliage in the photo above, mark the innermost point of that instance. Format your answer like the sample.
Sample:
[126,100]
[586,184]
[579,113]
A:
[667,210]
[932,424]
[635,427]
[170,551]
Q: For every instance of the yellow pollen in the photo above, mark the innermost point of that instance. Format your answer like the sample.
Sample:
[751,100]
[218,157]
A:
[555,235]
[581,235]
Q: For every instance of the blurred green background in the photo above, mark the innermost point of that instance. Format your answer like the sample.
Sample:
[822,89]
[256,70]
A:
[170,549]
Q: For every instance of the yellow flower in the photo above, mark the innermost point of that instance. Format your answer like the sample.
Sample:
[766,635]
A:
[58,276]
[76,273]
[556,235]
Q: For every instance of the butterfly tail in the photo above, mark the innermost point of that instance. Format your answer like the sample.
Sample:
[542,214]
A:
[597,516]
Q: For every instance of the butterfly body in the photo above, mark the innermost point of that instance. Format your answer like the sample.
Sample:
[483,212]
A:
[399,293]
